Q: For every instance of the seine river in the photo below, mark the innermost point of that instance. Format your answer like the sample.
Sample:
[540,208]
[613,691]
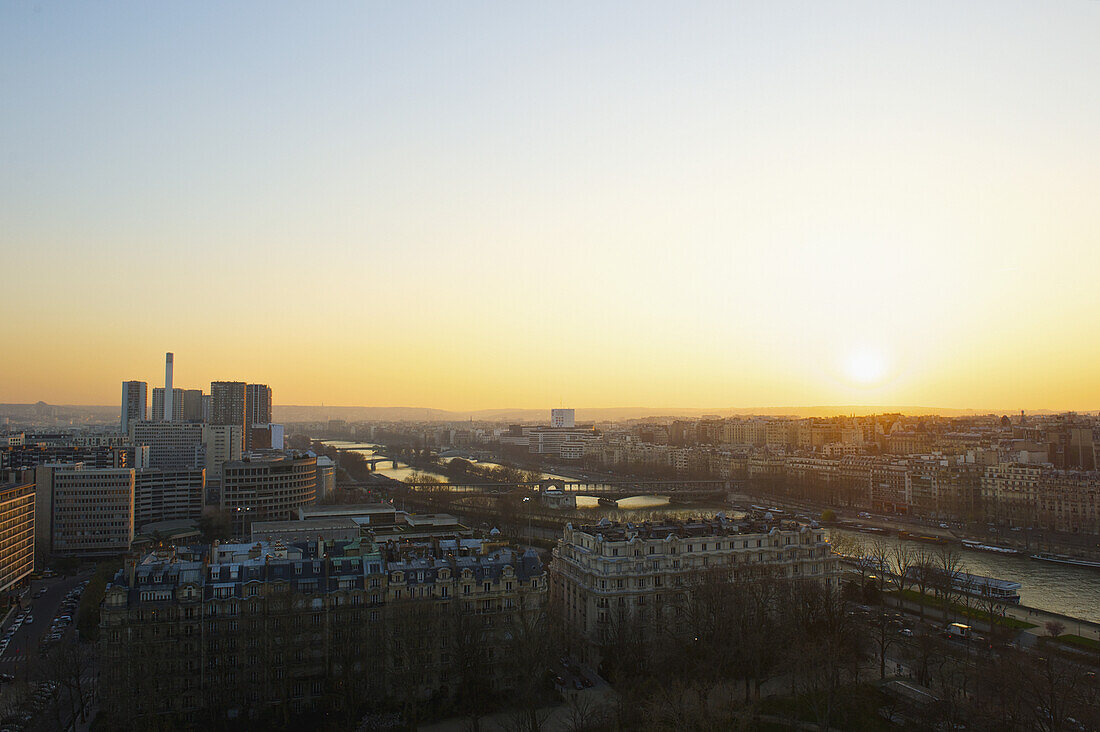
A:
[1073,591]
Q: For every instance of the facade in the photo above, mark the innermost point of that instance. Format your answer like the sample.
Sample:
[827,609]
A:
[222,443]
[229,405]
[135,400]
[267,490]
[551,441]
[168,495]
[267,437]
[158,405]
[168,401]
[84,511]
[258,399]
[609,573]
[30,456]
[1042,497]
[192,406]
[17,493]
[172,445]
[261,631]
[326,477]
[563,418]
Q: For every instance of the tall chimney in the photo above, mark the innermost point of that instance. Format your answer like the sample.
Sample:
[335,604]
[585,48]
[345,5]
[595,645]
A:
[168,393]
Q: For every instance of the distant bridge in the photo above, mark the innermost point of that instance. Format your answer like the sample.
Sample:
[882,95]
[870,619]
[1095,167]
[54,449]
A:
[683,488]
[373,462]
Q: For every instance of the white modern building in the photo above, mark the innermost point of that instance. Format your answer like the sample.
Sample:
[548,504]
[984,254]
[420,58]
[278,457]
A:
[563,418]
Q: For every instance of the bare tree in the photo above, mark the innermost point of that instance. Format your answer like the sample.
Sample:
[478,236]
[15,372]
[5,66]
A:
[904,560]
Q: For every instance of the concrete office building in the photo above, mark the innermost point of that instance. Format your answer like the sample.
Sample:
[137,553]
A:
[172,445]
[84,511]
[168,495]
[17,492]
[267,490]
[563,418]
[27,457]
[222,443]
[135,401]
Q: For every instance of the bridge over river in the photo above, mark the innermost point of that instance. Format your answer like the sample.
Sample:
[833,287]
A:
[609,489]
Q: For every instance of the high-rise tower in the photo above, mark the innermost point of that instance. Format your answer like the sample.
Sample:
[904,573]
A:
[134,402]
[168,401]
[229,404]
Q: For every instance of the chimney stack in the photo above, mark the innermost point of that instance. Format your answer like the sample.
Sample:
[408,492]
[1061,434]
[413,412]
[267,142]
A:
[168,393]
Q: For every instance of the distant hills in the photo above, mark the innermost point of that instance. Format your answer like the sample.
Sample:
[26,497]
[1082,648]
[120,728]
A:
[288,413]
[92,414]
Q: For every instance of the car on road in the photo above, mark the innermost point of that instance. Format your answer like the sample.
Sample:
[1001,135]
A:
[907,632]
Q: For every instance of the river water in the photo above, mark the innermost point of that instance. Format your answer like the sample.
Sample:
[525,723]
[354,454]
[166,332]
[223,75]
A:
[632,508]
[1060,588]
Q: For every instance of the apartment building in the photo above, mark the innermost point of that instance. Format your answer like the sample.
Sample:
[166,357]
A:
[135,401]
[1042,497]
[250,631]
[609,572]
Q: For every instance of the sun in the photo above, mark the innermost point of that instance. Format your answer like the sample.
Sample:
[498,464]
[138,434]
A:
[866,365]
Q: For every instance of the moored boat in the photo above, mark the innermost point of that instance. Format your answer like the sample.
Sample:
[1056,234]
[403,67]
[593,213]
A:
[1063,559]
[978,546]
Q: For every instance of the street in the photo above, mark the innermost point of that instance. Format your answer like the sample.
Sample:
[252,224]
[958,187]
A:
[26,639]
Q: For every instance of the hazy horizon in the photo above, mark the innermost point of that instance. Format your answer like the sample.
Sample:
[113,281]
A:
[308,412]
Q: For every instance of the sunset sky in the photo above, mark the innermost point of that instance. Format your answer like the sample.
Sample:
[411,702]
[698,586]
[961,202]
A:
[470,205]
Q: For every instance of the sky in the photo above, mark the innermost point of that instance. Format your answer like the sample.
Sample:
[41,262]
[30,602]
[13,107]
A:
[517,204]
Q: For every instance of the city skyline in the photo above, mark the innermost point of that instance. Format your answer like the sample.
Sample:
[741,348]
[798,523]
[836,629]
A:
[490,207]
